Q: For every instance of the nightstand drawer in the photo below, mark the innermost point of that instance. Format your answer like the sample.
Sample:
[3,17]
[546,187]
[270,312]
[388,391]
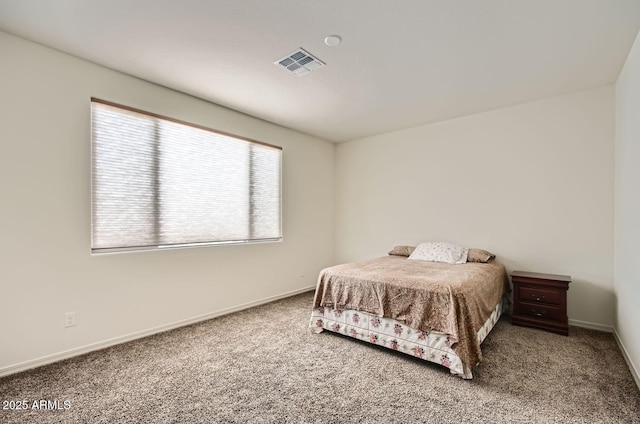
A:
[535,295]
[539,311]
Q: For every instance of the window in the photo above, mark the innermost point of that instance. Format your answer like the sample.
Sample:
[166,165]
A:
[162,183]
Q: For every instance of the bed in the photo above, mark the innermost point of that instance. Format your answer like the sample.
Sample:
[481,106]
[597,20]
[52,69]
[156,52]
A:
[437,311]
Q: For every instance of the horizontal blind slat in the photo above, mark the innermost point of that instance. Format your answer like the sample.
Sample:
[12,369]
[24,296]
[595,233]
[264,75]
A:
[162,183]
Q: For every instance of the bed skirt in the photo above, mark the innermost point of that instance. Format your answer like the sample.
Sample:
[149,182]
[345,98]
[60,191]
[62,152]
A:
[389,333]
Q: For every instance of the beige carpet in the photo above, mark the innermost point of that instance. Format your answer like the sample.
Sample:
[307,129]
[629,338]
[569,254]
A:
[263,366]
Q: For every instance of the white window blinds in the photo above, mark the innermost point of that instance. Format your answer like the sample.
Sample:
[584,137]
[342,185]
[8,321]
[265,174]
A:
[158,183]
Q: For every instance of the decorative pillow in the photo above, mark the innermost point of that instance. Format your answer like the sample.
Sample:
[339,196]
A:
[402,250]
[479,255]
[440,252]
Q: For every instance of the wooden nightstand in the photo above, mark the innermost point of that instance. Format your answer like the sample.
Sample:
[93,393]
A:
[540,301]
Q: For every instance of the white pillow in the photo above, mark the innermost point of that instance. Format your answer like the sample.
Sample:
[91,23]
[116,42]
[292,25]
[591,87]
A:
[440,251]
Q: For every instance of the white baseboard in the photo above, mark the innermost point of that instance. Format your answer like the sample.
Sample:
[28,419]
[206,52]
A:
[591,325]
[627,358]
[23,366]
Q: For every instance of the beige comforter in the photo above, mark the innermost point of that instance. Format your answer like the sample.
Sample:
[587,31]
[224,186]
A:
[427,296]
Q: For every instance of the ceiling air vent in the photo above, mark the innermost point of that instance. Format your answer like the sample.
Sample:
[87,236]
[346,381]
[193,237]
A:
[300,62]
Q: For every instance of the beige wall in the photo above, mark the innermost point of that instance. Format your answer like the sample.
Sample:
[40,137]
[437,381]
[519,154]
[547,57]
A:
[627,201]
[45,265]
[532,183]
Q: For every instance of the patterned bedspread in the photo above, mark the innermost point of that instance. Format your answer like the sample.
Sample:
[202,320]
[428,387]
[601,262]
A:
[427,296]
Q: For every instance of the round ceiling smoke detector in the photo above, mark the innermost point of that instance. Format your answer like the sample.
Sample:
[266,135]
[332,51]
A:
[332,40]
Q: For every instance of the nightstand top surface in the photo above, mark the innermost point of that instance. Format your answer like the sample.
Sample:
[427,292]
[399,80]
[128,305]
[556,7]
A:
[541,276]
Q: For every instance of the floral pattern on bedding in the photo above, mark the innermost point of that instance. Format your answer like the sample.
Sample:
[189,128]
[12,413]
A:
[387,332]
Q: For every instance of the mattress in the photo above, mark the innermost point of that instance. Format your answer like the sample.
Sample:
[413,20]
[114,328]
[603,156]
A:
[439,312]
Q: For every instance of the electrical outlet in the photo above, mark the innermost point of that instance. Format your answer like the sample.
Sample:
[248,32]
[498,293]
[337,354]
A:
[69,319]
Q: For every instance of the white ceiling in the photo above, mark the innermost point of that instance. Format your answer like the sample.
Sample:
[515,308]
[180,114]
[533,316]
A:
[401,63]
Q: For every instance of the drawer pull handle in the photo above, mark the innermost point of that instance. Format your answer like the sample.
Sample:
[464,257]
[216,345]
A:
[539,298]
[538,314]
